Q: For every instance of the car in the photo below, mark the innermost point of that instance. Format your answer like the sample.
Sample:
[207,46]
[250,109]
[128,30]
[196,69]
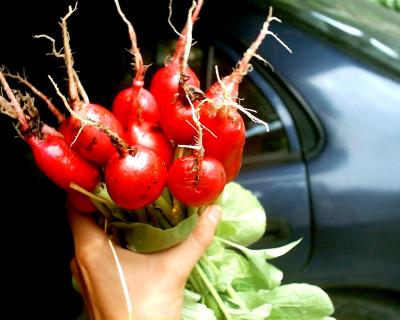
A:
[327,171]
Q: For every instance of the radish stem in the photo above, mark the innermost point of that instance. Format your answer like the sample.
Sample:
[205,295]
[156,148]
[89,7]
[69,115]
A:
[141,214]
[41,95]
[177,211]
[81,90]
[20,113]
[153,217]
[163,205]
[138,80]
[231,291]
[166,196]
[140,70]
[69,61]
[171,213]
[7,108]
[177,207]
[54,52]
[182,36]
[187,41]
[78,188]
[243,64]
[195,284]
[161,219]
[213,291]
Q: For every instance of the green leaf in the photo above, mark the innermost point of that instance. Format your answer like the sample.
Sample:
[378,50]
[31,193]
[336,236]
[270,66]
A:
[253,298]
[243,217]
[259,313]
[243,272]
[268,275]
[265,275]
[216,250]
[145,238]
[232,266]
[108,208]
[193,310]
[293,301]
[299,301]
[273,253]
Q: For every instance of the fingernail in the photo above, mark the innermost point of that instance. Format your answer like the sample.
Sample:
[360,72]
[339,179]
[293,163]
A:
[214,213]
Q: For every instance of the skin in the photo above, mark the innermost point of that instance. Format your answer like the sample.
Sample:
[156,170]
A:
[61,164]
[155,281]
[194,182]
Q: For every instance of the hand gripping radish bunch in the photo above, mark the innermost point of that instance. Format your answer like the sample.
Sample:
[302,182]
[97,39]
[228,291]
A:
[158,152]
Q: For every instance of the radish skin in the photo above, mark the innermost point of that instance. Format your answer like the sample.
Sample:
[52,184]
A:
[196,183]
[135,179]
[220,113]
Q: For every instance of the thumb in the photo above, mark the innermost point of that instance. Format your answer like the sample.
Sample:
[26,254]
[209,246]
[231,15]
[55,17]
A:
[198,241]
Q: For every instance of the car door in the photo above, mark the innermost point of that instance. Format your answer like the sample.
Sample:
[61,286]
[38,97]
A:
[273,168]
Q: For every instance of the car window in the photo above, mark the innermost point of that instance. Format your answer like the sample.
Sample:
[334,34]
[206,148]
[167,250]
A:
[364,27]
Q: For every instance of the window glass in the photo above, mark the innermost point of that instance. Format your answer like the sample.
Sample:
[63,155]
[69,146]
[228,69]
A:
[367,30]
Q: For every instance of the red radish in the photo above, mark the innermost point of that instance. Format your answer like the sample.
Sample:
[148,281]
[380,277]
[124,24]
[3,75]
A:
[80,202]
[126,109]
[175,85]
[69,132]
[226,138]
[50,151]
[64,129]
[137,108]
[92,143]
[196,182]
[61,164]
[166,82]
[221,116]
[227,145]
[176,122]
[135,103]
[88,140]
[53,156]
[150,135]
[135,178]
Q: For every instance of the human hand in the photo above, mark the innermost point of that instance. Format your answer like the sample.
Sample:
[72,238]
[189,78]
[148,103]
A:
[155,281]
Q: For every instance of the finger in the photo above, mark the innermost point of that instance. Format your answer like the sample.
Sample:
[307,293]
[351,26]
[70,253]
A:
[85,231]
[198,241]
[205,229]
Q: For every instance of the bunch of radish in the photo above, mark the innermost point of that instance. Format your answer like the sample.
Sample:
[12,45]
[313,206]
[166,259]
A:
[148,165]
[172,141]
